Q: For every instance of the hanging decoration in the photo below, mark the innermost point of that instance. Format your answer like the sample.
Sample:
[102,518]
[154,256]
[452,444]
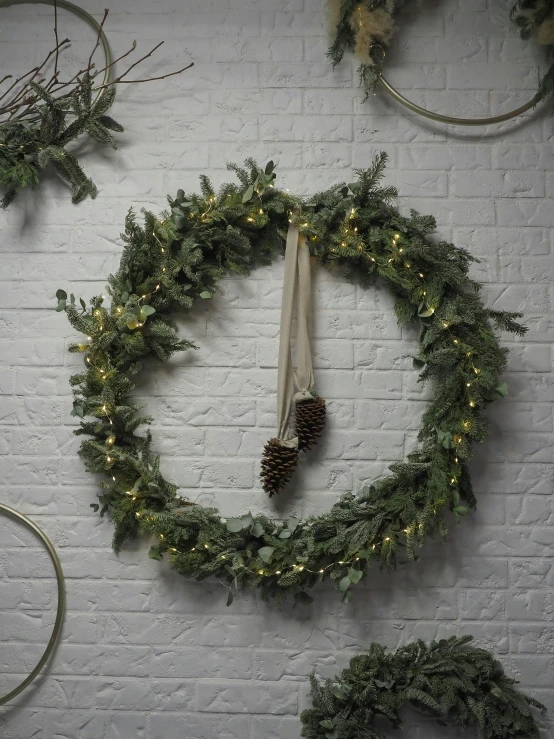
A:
[41,115]
[179,258]
[367,27]
[281,453]
[457,684]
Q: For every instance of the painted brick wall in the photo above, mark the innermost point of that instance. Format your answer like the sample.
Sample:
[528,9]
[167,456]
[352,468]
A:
[144,653]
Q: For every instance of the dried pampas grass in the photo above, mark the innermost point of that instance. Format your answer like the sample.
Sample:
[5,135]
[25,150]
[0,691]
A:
[545,32]
[334,12]
[370,27]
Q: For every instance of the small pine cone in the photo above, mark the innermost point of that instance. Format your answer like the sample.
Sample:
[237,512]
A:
[309,422]
[278,464]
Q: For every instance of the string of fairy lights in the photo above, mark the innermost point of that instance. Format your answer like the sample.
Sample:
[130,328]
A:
[349,237]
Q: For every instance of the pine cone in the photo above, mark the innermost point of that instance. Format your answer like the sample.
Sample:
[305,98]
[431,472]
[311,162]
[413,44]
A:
[309,422]
[278,464]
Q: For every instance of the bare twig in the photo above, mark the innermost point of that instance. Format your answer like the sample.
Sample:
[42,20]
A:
[20,79]
[56,37]
[121,76]
[115,61]
[23,102]
[98,37]
[147,79]
[33,74]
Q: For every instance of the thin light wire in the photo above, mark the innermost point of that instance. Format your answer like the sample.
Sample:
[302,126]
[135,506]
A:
[60,613]
[80,13]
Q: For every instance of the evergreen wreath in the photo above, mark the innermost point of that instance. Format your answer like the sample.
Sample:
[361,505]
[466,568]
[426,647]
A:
[367,27]
[179,258]
[450,681]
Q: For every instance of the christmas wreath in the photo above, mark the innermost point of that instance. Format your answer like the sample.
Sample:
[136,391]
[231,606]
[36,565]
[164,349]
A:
[179,258]
[450,681]
[367,27]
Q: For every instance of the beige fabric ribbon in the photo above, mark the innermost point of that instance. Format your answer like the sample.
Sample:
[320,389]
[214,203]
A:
[297,282]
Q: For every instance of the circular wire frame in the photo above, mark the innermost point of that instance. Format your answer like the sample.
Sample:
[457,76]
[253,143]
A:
[56,631]
[452,120]
[80,13]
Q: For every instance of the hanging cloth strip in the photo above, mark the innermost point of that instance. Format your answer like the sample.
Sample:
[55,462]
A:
[281,453]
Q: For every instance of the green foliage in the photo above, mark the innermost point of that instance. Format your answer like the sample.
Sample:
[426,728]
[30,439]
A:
[177,259]
[371,43]
[28,146]
[454,683]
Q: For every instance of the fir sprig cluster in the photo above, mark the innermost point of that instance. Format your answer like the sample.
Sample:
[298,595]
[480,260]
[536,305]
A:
[178,258]
[367,27]
[28,145]
[456,684]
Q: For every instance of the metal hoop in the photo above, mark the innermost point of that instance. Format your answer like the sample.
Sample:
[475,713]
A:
[39,533]
[79,12]
[451,119]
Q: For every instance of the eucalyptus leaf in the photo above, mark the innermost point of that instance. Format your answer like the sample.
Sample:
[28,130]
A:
[234,525]
[61,294]
[266,553]
[205,294]
[355,575]
[345,583]
[427,313]
[248,193]
[257,529]
[292,523]
[247,520]
[154,553]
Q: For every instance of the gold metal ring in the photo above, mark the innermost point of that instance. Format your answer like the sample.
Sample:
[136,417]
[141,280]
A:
[79,12]
[61,600]
[451,119]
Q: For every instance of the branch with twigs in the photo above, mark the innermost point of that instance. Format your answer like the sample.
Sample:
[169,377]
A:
[40,115]
[20,105]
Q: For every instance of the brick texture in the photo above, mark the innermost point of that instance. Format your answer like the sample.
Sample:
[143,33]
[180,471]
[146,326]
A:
[146,654]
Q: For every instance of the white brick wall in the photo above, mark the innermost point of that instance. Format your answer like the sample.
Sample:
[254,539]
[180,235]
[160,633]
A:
[146,654]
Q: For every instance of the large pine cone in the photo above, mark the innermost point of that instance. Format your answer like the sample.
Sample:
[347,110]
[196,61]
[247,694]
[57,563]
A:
[309,422]
[278,464]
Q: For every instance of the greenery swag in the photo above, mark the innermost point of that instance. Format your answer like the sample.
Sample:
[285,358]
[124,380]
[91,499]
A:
[367,27]
[456,684]
[178,258]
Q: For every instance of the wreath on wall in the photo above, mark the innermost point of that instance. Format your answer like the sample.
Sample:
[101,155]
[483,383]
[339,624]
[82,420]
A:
[368,26]
[178,258]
